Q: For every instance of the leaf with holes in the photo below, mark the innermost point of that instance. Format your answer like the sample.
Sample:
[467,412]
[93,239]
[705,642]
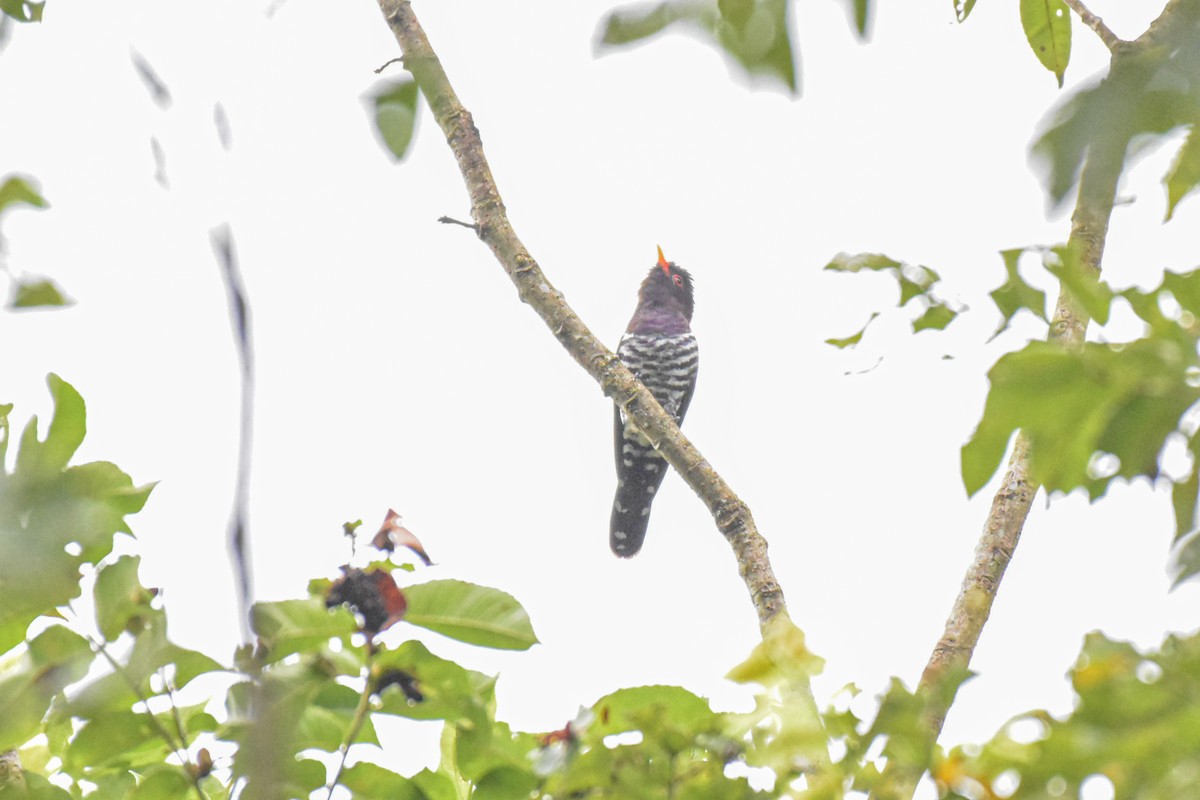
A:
[1015,293]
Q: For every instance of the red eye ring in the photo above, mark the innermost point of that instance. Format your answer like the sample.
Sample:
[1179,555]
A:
[678,279]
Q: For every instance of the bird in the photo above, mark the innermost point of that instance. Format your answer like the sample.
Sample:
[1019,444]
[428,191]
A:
[658,347]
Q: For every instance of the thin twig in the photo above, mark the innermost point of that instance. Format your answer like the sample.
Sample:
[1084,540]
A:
[453,221]
[239,526]
[389,62]
[732,516]
[1110,39]
[356,722]
[1010,507]
[178,748]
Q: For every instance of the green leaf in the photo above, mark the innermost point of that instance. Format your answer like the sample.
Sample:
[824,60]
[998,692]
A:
[782,656]
[67,428]
[19,190]
[395,106]
[1132,721]
[862,15]
[1047,25]
[474,614]
[163,782]
[37,294]
[54,659]
[292,626]
[854,338]
[857,262]
[1186,493]
[116,740]
[754,33]
[120,596]
[962,9]
[448,691]
[151,652]
[915,281]
[1015,293]
[1185,561]
[636,707]
[1124,400]
[1185,288]
[1184,175]
[936,317]
[38,788]
[324,722]
[1083,283]
[372,782]
[505,783]
[1141,95]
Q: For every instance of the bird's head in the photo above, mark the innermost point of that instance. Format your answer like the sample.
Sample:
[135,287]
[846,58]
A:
[668,286]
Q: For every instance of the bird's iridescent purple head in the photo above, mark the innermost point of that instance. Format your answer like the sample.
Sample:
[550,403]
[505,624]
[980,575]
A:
[665,301]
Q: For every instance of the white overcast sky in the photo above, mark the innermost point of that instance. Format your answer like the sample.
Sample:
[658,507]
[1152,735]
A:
[396,367]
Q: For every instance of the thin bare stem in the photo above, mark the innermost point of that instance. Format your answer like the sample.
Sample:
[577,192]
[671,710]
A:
[732,515]
[356,723]
[1110,39]
[178,747]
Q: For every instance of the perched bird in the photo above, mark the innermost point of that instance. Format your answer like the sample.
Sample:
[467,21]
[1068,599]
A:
[659,348]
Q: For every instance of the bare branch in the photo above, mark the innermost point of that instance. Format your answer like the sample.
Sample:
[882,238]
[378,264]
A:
[617,382]
[1110,39]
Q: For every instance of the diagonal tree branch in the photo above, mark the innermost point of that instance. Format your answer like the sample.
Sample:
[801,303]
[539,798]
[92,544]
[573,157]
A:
[1110,39]
[1010,507]
[732,516]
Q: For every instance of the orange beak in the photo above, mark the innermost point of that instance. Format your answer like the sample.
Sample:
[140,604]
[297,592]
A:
[662,262]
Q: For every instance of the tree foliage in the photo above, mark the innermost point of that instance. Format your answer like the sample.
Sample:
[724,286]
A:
[94,706]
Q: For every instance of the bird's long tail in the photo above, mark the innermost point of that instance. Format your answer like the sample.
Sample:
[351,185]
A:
[640,471]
